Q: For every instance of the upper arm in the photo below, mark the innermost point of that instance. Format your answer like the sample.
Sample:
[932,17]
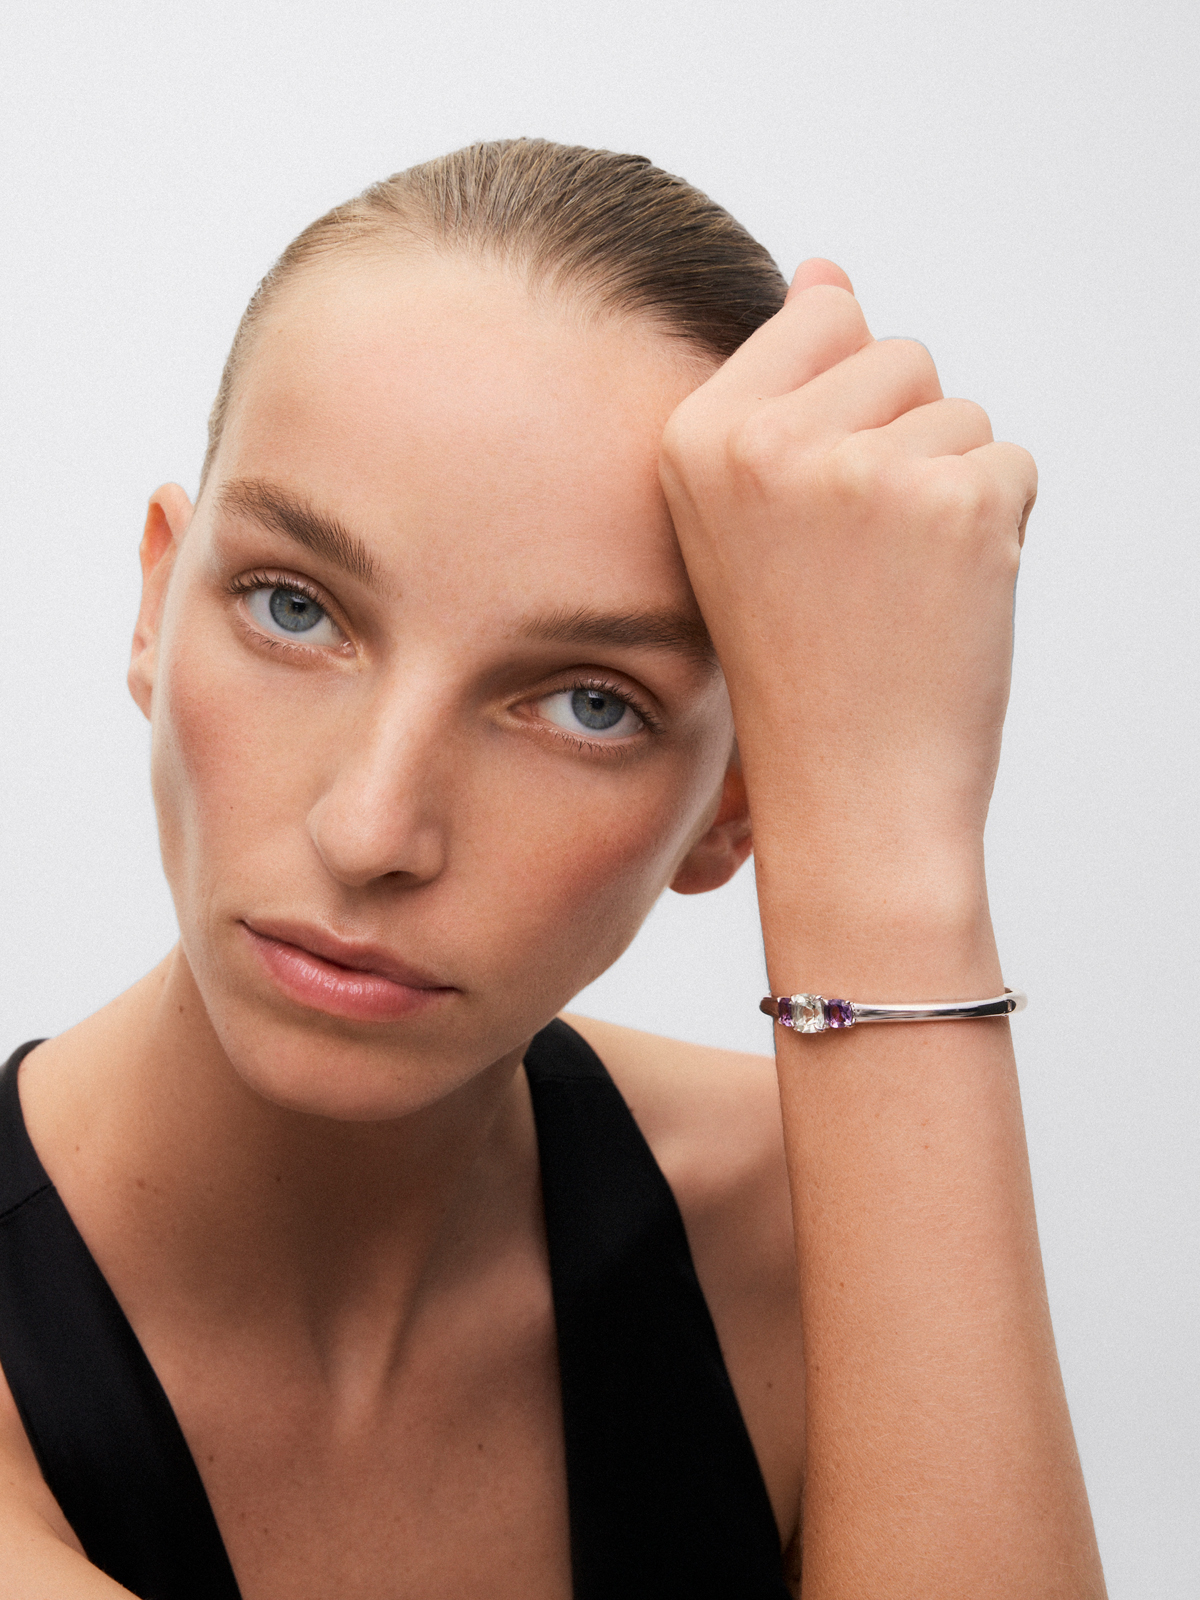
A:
[39,1553]
[22,1487]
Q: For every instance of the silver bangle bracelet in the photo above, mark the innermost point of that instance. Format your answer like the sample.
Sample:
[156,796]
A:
[813,1013]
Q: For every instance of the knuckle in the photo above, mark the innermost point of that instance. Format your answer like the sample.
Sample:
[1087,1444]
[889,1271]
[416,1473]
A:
[677,438]
[973,511]
[860,469]
[961,500]
[975,418]
[686,441]
[758,444]
[914,361]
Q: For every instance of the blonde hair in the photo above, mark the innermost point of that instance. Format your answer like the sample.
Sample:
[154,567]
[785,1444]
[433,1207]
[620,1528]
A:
[611,228]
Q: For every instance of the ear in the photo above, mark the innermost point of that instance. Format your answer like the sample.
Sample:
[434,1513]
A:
[167,519]
[719,852]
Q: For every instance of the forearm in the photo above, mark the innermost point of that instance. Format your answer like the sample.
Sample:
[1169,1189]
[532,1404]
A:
[853,539]
[941,1460]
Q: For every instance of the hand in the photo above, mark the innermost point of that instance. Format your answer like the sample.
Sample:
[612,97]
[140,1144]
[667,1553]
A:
[853,540]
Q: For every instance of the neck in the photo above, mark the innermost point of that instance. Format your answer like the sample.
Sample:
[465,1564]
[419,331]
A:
[182,1178]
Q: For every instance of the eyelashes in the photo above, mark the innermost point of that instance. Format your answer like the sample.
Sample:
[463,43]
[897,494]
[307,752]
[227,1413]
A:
[592,714]
[287,611]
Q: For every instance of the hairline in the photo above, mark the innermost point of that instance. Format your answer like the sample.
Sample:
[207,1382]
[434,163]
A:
[545,282]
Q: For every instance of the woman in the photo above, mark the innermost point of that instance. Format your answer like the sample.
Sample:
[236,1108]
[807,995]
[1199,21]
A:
[309,1288]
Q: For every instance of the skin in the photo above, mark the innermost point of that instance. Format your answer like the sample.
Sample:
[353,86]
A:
[328,1228]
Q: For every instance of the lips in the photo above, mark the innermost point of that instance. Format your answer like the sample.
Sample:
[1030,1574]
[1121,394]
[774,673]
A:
[342,978]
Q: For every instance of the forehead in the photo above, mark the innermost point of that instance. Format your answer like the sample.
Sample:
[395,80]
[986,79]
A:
[445,411]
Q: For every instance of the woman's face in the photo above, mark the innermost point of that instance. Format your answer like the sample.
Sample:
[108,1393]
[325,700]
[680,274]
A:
[430,693]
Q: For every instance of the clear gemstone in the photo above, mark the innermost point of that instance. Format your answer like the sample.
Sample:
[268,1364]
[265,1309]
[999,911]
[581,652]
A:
[785,1011]
[808,1013]
[839,1014]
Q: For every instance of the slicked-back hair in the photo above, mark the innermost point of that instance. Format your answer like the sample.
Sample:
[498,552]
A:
[609,229]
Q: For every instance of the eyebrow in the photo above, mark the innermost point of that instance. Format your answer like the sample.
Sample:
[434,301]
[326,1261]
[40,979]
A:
[288,514]
[680,631]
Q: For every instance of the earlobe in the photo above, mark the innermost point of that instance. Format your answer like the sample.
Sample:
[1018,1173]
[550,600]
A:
[167,518]
[719,852]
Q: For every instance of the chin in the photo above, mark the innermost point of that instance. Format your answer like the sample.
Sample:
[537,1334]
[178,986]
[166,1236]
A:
[327,1072]
[288,1046]
[304,1060]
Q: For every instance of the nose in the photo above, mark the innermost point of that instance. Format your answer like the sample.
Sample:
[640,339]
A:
[386,812]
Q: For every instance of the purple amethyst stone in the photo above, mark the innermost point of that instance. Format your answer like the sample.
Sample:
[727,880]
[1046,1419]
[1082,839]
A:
[839,1014]
[785,1011]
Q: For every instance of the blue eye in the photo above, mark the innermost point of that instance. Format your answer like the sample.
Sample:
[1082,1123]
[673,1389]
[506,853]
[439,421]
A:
[283,612]
[592,713]
[597,710]
[295,612]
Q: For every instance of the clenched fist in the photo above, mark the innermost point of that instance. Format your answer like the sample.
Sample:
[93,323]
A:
[853,541]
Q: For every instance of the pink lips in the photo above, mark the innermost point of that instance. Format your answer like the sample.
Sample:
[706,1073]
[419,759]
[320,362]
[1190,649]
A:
[359,982]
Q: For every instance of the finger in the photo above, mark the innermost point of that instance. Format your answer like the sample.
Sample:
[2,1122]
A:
[817,327]
[1016,471]
[941,428]
[817,270]
[869,389]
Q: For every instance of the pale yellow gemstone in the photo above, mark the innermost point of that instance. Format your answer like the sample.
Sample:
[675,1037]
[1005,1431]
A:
[808,1013]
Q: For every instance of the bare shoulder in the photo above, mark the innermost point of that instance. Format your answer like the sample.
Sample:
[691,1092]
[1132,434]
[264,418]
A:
[711,1116]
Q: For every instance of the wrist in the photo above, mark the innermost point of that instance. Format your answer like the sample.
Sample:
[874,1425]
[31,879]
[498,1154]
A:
[888,793]
[877,929]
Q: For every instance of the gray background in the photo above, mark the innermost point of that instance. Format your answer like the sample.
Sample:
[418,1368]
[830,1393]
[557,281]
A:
[1015,185]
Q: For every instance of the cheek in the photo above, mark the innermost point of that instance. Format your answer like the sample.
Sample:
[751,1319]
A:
[551,864]
[572,875]
[227,766]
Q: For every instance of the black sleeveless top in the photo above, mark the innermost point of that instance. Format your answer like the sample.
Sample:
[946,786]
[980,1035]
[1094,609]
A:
[665,1494]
